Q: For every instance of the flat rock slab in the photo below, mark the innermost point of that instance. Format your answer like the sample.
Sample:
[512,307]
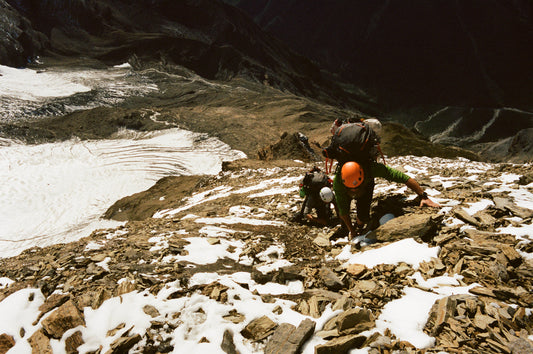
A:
[423,226]
[65,317]
[258,329]
[341,345]
[355,321]
[288,339]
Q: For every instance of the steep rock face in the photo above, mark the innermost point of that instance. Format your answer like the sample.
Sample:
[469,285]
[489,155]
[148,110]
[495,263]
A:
[497,134]
[516,149]
[19,42]
[215,40]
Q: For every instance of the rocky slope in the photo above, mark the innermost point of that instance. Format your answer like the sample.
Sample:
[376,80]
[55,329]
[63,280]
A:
[481,237]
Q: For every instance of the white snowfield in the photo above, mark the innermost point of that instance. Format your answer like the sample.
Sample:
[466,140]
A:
[404,317]
[57,192]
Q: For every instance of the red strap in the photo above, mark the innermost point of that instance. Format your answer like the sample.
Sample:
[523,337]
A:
[328,168]
[381,153]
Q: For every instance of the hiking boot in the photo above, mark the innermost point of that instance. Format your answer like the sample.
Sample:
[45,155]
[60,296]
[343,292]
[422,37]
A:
[361,229]
[341,232]
[297,218]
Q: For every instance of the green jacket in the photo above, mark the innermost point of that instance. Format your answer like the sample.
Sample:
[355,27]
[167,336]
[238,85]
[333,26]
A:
[376,170]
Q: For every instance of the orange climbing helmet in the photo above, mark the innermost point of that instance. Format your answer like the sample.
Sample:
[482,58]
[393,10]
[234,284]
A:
[352,174]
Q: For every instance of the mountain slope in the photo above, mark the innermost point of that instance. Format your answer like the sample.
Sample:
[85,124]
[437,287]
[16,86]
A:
[468,59]
[439,52]
[224,268]
[215,40]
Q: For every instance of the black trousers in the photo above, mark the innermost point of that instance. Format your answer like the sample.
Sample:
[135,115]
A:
[364,202]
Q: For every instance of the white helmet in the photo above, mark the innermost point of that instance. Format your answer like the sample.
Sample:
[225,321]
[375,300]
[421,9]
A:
[326,194]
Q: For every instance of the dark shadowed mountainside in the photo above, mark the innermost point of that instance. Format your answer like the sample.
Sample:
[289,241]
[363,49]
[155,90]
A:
[18,40]
[439,52]
[458,72]
[461,69]
[215,40]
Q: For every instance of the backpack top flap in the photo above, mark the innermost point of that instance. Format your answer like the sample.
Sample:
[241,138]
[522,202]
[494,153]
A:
[315,180]
[353,141]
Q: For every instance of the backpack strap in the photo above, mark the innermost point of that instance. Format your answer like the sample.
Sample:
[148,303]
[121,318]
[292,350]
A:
[330,166]
[381,153]
[365,128]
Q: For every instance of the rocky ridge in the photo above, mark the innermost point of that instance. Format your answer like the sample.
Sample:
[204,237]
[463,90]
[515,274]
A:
[480,234]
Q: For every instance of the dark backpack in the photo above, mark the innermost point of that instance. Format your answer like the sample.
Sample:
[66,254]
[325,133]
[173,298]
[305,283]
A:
[315,180]
[353,142]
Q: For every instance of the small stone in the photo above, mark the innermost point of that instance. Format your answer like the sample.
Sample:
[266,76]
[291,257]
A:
[515,259]
[124,344]
[343,303]
[445,309]
[288,339]
[98,257]
[73,342]
[355,321]
[228,345]
[463,215]
[258,329]
[53,301]
[314,310]
[101,295]
[520,345]
[40,343]
[322,241]
[234,317]
[330,279]
[341,344]
[356,270]
[114,331]
[6,343]
[483,321]
[150,311]
[125,287]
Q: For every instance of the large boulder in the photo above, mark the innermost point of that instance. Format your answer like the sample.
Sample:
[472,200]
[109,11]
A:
[423,226]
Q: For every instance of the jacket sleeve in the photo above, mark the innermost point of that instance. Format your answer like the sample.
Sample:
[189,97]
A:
[389,173]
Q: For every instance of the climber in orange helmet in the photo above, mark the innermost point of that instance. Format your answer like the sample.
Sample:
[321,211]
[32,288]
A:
[352,181]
